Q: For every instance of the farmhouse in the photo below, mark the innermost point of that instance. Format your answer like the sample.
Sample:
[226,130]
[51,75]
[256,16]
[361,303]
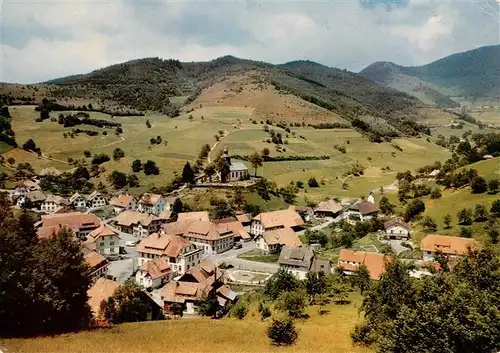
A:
[25,186]
[52,203]
[300,261]
[82,224]
[181,255]
[450,247]
[240,233]
[193,286]
[154,273]
[328,208]
[351,260]
[212,238]
[96,199]
[273,240]
[137,223]
[104,240]
[151,203]
[237,170]
[244,218]
[33,199]
[275,220]
[123,202]
[78,202]
[361,211]
[396,228]
[307,213]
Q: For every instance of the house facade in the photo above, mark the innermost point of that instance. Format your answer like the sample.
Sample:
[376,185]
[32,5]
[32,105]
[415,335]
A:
[151,203]
[95,200]
[154,273]
[267,221]
[123,203]
[450,247]
[397,229]
[361,211]
[180,254]
[52,203]
[78,202]
[272,241]
[104,240]
[98,264]
[212,238]
[81,223]
[137,223]
[32,198]
[328,208]
[351,260]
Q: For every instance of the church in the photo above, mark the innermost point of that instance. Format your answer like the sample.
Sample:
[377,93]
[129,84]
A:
[237,169]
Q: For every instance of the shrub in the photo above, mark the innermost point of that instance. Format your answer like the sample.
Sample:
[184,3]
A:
[292,302]
[282,332]
[465,232]
[100,158]
[312,182]
[415,208]
[265,313]
[240,310]
[478,185]
[436,193]
[87,154]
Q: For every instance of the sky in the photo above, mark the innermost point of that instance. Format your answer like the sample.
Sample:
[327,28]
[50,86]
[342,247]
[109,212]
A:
[42,40]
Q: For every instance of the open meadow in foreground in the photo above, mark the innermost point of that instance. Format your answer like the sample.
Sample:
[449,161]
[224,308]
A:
[319,333]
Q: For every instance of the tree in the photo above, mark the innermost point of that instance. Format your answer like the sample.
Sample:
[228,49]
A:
[478,185]
[289,193]
[131,304]
[495,209]
[132,180]
[361,278]
[87,154]
[465,232]
[117,154]
[282,332]
[429,224]
[385,206]
[292,303]
[316,237]
[148,124]
[413,209]
[493,185]
[205,150]
[481,213]
[177,207]
[447,221]
[280,282]
[208,306]
[117,179]
[239,198]
[256,160]
[151,168]
[210,171]
[239,310]
[81,172]
[11,160]
[312,182]
[315,284]
[176,309]
[493,234]
[136,166]
[188,174]
[29,145]
[436,193]
[100,159]
[465,216]
[265,153]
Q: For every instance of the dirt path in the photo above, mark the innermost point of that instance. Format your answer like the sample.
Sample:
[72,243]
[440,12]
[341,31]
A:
[209,159]
[113,143]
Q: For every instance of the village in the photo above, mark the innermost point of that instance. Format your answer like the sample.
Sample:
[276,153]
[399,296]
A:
[181,257]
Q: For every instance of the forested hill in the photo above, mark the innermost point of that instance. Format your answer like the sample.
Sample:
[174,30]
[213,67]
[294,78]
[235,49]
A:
[474,73]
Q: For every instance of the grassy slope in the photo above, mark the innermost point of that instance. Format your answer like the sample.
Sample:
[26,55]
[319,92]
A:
[327,333]
[185,138]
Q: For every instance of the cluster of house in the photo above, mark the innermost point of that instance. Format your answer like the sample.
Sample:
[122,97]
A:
[28,191]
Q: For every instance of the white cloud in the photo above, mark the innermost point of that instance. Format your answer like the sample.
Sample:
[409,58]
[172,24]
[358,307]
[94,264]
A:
[44,40]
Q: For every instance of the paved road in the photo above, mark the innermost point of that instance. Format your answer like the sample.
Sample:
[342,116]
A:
[121,269]
[396,245]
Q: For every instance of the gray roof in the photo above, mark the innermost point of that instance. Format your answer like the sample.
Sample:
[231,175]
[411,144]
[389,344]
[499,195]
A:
[237,166]
[321,266]
[299,257]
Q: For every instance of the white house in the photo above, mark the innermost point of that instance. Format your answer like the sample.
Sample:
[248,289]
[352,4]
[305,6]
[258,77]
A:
[397,229]
[104,240]
[34,198]
[52,203]
[154,273]
[181,255]
[273,240]
[123,203]
[151,203]
[96,199]
[361,211]
[78,202]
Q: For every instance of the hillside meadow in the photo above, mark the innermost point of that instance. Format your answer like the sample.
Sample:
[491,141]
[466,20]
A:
[318,333]
[182,138]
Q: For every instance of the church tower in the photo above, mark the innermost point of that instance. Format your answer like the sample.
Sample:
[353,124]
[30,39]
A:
[226,156]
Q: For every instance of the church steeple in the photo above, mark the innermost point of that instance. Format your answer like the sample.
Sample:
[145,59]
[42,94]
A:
[226,156]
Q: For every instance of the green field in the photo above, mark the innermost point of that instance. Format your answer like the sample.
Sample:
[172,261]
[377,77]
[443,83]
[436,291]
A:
[255,255]
[318,333]
[183,138]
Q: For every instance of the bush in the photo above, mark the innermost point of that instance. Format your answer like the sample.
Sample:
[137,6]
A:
[100,158]
[282,332]
[265,313]
[415,208]
[240,310]
[312,182]
[118,153]
[292,303]
[87,154]
[478,185]
[436,193]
